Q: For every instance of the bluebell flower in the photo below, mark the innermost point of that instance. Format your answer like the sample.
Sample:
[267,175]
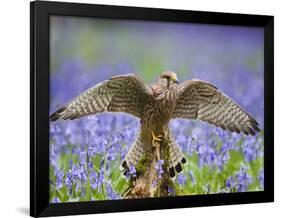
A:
[244,180]
[111,194]
[221,160]
[191,176]
[59,179]
[171,191]
[230,182]
[221,133]
[132,171]
[261,178]
[192,145]
[182,179]
[226,146]
[83,157]
[96,180]
[78,172]
[56,200]
[57,135]
[159,168]
[154,183]
[82,174]
[55,129]
[206,155]
[250,149]
[68,179]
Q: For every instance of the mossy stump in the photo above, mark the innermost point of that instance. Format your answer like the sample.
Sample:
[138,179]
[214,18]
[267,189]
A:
[148,183]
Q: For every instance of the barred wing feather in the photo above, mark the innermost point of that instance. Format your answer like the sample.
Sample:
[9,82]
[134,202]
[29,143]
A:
[203,101]
[124,93]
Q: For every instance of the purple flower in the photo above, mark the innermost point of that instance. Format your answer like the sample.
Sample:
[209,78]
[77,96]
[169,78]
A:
[250,149]
[182,179]
[222,159]
[56,200]
[97,179]
[78,172]
[206,154]
[132,171]
[171,191]
[68,179]
[221,133]
[191,176]
[230,182]
[154,183]
[261,178]
[244,179]
[57,135]
[159,168]
[94,180]
[59,179]
[111,194]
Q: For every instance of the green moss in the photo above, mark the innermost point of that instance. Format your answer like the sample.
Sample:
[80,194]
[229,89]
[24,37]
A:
[142,165]
[165,181]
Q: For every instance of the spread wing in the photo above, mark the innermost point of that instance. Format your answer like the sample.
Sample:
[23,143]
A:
[203,101]
[125,93]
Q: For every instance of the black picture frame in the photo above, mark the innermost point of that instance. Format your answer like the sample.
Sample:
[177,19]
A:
[39,107]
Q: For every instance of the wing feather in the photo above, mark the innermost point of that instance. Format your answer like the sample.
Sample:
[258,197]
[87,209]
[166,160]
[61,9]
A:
[125,93]
[203,101]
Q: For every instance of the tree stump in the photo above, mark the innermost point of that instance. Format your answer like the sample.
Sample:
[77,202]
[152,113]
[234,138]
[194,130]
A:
[149,183]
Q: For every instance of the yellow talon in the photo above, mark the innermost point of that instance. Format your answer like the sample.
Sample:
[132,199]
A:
[156,138]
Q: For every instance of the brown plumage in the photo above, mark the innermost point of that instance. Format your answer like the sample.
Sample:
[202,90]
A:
[156,105]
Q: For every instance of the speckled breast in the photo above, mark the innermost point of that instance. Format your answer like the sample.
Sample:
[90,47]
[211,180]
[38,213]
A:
[157,115]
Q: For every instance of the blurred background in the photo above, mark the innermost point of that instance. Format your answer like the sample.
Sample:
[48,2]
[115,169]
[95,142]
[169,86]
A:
[86,51]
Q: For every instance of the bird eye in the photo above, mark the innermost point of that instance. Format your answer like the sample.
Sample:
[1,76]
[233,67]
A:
[165,77]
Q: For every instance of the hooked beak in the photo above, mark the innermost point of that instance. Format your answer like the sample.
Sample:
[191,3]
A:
[175,79]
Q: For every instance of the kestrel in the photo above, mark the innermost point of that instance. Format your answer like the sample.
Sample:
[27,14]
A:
[155,105]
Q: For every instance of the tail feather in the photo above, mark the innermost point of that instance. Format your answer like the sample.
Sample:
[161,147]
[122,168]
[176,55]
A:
[133,156]
[136,152]
[177,158]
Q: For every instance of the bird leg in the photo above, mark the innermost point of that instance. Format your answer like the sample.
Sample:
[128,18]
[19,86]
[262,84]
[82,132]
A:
[156,144]
[155,138]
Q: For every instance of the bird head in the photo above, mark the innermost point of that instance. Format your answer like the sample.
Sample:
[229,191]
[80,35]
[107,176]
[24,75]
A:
[168,78]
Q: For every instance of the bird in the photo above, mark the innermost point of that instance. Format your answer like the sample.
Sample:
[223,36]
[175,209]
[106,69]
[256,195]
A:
[156,105]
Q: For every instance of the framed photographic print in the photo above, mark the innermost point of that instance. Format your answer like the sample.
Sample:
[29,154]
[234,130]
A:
[140,108]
